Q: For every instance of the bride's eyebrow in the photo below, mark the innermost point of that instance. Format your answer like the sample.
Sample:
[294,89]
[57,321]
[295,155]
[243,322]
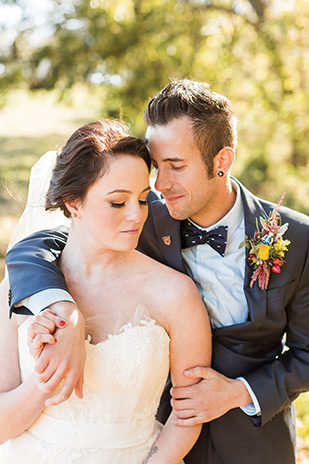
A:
[126,191]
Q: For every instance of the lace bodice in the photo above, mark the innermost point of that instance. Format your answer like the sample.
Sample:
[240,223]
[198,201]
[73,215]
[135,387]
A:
[124,379]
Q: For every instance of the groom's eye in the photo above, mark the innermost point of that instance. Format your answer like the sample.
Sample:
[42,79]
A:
[177,167]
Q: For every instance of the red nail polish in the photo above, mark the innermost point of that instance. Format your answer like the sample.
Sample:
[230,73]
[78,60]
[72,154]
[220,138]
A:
[55,340]
[62,323]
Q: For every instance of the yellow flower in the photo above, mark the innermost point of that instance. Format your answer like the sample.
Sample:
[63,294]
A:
[264,252]
[281,245]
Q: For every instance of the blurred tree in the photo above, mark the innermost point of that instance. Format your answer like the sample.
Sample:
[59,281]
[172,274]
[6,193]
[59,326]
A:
[254,51]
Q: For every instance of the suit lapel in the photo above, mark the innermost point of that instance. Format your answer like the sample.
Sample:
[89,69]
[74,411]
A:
[168,236]
[256,297]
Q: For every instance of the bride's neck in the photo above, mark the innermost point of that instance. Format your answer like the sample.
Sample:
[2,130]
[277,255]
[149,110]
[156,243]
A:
[83,256]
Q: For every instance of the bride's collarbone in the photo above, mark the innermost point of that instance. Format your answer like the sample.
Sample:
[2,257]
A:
[109,288]
[107,280]
[122,307]
[119,295]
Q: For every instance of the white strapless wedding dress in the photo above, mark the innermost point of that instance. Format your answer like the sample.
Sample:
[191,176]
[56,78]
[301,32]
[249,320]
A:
[115,421]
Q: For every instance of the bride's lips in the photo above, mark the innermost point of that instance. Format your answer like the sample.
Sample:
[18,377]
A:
[130,231]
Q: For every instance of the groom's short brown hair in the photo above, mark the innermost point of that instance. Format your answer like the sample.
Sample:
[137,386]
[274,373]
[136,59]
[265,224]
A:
[211,115]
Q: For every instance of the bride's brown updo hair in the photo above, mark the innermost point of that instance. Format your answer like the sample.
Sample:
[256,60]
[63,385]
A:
[85,158]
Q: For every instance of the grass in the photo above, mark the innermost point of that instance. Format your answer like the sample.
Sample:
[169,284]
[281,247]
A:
[30,126]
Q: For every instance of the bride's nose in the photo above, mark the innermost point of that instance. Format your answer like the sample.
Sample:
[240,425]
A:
[134,213]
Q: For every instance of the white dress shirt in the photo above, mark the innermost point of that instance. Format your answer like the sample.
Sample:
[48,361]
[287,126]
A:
[220,280]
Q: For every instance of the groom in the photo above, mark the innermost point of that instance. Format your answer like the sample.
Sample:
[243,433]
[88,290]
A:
[245,399]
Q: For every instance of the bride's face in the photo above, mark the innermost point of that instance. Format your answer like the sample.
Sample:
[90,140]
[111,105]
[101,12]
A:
[115,207]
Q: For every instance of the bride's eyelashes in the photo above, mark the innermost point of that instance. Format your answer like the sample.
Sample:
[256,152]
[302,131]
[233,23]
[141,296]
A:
[122,204]
[117,205]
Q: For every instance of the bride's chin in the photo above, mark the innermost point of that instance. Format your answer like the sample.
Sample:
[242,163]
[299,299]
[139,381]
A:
[129,247]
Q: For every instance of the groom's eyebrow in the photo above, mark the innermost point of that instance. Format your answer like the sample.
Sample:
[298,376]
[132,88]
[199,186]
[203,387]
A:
[126,191]
[173,159]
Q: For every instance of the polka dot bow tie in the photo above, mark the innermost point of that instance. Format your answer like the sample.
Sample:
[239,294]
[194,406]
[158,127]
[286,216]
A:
[192,236]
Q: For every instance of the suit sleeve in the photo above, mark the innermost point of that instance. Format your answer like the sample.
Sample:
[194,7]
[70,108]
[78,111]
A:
[32,266]
[277,383]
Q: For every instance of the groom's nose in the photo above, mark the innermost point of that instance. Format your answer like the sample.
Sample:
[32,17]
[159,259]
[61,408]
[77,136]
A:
[162,182]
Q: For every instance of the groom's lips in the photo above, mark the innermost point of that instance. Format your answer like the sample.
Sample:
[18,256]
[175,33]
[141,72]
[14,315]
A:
[172,198]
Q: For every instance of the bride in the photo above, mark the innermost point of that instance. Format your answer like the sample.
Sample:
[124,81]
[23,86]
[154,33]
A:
[141,319]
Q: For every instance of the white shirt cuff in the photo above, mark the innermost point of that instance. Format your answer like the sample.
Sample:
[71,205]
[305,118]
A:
[39,301]
[253,408]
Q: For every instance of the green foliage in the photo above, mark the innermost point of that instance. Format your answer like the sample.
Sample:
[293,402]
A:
[253,51]
[302,409]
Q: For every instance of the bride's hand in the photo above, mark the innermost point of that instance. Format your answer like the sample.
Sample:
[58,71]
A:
[41,331]
[64,360]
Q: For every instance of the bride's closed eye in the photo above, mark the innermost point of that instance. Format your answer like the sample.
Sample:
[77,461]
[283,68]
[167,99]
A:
[117,205]
[120,205]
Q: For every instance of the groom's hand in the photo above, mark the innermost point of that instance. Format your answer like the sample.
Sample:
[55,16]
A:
[64,360]
[210,398]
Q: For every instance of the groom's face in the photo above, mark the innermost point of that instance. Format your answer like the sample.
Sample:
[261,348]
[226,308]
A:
[181,174]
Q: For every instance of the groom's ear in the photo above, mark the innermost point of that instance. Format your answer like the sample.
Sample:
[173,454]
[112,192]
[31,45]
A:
[224,159]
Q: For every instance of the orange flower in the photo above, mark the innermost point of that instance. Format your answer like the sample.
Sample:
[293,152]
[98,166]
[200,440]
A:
[264,252]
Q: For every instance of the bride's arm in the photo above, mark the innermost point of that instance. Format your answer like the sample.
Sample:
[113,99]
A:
[20,403]
[190,346]
[32,268]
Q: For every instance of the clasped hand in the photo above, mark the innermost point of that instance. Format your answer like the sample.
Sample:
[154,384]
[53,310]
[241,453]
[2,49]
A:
[211,397]
[59,354]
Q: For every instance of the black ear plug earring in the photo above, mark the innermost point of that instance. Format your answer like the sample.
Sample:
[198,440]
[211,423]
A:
[220,173]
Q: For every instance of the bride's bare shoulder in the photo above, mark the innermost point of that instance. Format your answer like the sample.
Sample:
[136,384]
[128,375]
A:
[171,295]
[173,284]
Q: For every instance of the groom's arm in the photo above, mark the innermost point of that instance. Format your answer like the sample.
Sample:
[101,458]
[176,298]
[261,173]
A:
[35,276]
[32,267]
[36,283]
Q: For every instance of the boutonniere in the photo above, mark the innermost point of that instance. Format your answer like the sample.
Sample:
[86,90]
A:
[267,247]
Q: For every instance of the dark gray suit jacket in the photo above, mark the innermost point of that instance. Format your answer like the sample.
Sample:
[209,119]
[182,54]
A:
[252,349]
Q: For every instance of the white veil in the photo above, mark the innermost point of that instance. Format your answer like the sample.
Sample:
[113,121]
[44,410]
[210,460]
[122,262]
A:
[35,217]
